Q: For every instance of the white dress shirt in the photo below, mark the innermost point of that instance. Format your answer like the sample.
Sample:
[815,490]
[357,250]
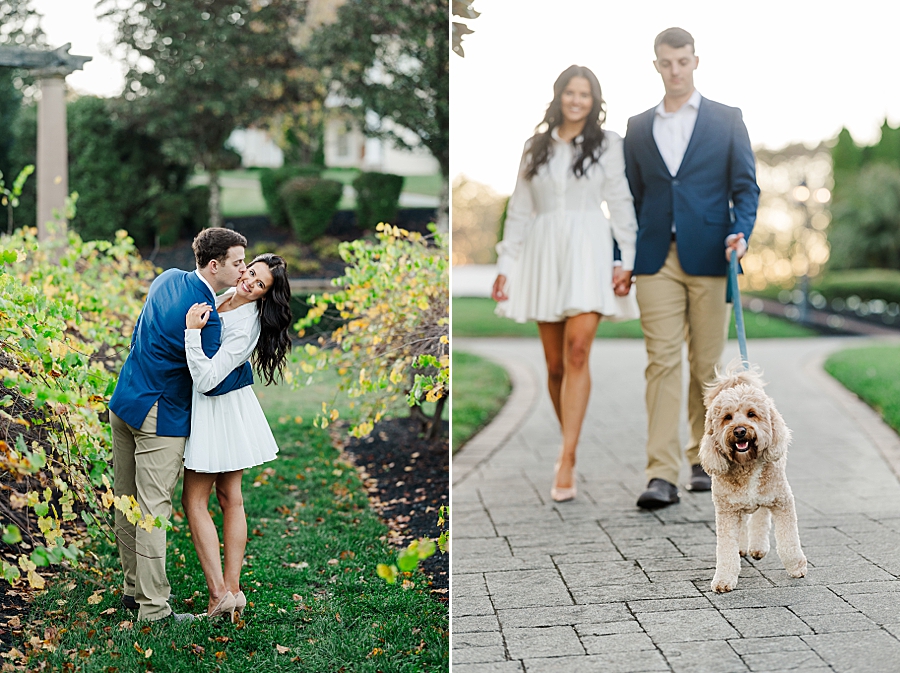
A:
[672,130]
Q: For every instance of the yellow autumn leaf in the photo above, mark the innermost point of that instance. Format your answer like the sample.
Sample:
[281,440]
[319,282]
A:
[35,580]
[107,498]
[147,523]
[334,414]
[95,598]
[307,368]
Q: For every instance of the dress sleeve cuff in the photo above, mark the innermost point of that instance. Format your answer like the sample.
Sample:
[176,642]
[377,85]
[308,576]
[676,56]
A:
[627,257]
[192,337]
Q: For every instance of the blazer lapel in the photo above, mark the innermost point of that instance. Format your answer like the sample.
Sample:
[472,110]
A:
[699,128]
[651,141]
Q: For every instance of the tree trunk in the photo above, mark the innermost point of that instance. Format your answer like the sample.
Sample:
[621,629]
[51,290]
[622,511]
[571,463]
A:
[435,427]
[215,199]
[443,213]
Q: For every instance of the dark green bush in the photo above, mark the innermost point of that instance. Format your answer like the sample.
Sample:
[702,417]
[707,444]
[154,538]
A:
[171,211]
[867,284]
[271,181]
[117,170]
[310,204]
[197,209]
[377,198]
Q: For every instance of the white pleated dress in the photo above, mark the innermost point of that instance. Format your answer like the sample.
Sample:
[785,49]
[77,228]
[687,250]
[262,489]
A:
[557,247]
[228,432]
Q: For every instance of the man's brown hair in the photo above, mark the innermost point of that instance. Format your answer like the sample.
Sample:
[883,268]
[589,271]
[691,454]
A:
[214,243]
[675,38]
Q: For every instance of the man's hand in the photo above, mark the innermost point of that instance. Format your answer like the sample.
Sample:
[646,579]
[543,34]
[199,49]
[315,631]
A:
[621,281]
[735,243]
[197,316]
[498,293]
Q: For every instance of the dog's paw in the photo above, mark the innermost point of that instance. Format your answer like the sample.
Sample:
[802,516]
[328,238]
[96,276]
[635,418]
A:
[722,584]
[743,553]
[798,568]
[758,553]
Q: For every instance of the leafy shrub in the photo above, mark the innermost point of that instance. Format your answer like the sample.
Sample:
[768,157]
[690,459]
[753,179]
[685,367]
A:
[377,198]
[865,229]
[271,181]
[395,301]
[310,204]
[867,284]
[117,170]
[171,212]
[67,312]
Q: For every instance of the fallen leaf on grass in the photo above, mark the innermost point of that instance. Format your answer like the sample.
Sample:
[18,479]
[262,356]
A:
[282,649]
[109,611]
[297,597]
[197,649]
[333,562]
[221,655]
[13,654]
[125,625]
[337,616]
[95,598]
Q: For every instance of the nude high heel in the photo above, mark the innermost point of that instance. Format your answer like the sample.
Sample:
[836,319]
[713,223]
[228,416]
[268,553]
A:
[225,606]
[563,494]
[240,602]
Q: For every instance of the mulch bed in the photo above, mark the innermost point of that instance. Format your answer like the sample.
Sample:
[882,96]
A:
[408,479]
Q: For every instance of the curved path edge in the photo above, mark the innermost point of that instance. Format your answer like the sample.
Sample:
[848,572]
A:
[515,410]
[883,436]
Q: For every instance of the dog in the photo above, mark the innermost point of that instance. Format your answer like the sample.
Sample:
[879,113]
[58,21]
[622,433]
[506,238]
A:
[744,451]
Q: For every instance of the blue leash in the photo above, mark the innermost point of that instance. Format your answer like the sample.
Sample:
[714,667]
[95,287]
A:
[735,295]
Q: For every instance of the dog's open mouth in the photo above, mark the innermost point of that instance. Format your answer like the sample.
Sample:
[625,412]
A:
[743,445]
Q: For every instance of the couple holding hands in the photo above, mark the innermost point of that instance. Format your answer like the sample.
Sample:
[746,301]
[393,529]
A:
[681,197]
[183,399]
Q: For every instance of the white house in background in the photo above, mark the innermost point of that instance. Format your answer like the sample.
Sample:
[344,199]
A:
[345,147]
[256,148]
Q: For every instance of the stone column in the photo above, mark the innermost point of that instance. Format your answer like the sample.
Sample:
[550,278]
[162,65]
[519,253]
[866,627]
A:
[52,154]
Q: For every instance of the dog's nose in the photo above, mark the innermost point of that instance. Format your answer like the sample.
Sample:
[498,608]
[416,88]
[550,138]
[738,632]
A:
[740,432]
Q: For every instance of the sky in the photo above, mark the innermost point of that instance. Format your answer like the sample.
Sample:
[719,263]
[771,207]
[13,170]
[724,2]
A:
[75,21]
[798,70]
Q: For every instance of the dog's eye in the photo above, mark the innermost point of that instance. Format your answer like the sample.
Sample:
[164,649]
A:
[751,414]
[727,417]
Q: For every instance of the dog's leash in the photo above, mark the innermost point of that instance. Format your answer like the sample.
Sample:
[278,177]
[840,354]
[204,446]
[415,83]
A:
[735,295]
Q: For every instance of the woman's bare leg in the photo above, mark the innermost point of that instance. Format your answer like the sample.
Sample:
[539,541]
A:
[228,492]
[575,389]
[552,339]
[195,500]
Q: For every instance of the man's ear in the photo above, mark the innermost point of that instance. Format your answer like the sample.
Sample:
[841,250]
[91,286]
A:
[655,65]
[213,266]
[696,62]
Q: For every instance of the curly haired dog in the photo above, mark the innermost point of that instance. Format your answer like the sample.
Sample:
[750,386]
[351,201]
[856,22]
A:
[744,450]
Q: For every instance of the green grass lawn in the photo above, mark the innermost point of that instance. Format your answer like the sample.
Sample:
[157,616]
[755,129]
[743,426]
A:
[478,391]
[873,373]
[474,317]
[315,601]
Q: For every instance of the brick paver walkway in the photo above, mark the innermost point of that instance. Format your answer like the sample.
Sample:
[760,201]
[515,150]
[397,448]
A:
[598,585]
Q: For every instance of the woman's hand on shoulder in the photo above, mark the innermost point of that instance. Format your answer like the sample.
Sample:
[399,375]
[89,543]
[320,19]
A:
[197,316]
[498,293]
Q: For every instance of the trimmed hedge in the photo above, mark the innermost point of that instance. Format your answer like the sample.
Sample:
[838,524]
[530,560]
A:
[310,204]
[271,181]
[377,198]
[867,284]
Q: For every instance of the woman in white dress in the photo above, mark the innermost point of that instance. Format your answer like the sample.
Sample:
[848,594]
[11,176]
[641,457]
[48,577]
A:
[555,263]
[229,432]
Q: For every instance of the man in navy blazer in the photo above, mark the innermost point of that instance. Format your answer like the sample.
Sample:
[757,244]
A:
[692,173]
[150,409]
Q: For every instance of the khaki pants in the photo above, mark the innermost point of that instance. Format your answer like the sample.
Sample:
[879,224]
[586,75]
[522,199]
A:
[677,307]
[147,467]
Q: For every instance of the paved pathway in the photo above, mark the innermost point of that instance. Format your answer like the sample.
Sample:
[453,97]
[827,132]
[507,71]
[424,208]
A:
[597,585]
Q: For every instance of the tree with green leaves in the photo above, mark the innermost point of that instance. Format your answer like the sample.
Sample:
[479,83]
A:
[199,69]
[19,27]
[389,62]
[865,227]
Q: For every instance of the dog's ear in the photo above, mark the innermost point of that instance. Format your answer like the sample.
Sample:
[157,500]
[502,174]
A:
[711,457]
[780,439]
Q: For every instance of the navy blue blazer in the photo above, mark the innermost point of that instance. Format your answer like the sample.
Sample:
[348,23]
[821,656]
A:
[714,193]
[156,368]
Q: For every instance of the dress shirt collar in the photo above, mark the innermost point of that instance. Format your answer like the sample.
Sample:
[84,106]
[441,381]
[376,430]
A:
[693,101]
[205,282]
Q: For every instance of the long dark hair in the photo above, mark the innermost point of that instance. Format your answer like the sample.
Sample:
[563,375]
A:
[274,320]
[587,152]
